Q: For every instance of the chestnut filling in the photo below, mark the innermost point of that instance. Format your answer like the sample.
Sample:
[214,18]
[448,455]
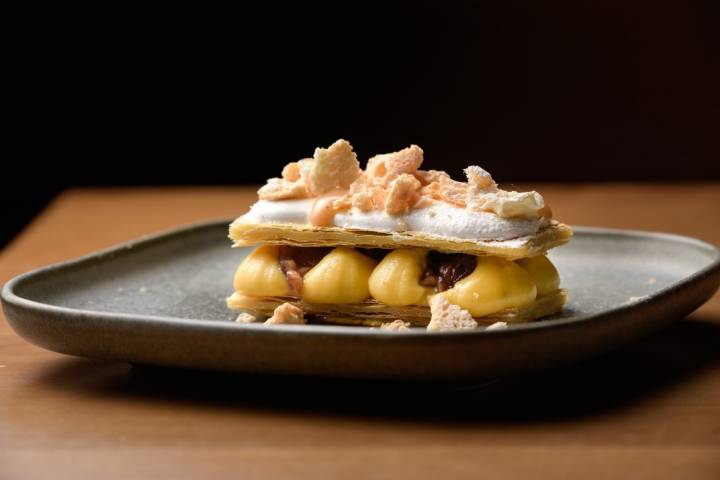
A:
[297,261]
[444,270]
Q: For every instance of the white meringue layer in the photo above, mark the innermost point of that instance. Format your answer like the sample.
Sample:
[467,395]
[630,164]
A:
[439,219]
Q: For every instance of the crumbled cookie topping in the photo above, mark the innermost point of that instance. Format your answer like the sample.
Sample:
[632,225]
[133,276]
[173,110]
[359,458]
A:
[245,317]
[402,194]
[393,182]
[395,325]
[407,160]
[483,195]
[452,191]
[445,316]
[281,189]
[333,168]
[479,181]
[287,313]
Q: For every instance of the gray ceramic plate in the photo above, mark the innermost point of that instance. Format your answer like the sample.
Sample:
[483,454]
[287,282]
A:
[161,301]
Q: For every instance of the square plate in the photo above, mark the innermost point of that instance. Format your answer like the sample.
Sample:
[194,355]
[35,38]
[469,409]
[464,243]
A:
[161,301]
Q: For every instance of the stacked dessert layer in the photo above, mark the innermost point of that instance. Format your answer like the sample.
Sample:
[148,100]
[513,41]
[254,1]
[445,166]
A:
[395,246]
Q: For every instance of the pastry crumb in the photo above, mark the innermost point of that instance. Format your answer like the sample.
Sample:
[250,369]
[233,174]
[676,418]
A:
[282,189]
[446,316]
[362,194]
[427,177]
[375,167]
[407,160]
[390,165]
[384,185]
[402,194]
[291,172]
[479,180]
[288,314]
[395,325]
[507,204]
[497,326]
[453,192]
[335,167]
[483,195]
[246,318]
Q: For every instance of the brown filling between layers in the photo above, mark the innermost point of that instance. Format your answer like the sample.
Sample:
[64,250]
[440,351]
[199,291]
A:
[295,262]
[442,272]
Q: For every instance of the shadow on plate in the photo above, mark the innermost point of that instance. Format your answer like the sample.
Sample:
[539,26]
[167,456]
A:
[614,381]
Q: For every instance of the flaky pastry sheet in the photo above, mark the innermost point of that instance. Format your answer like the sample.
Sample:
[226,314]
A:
[244,233]
[372,313]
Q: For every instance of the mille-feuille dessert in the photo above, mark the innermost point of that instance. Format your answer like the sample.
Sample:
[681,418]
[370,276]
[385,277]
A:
[394,246]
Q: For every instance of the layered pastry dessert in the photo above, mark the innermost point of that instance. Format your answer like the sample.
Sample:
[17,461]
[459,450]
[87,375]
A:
[394,246]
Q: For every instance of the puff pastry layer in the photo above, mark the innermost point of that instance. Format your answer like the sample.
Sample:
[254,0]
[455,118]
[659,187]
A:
[244,233]
[372,313]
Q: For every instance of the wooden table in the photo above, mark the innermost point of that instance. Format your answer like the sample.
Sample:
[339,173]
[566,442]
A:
[651,410]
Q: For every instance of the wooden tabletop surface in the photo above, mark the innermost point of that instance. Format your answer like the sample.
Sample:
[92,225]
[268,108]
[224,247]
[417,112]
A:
[649,411]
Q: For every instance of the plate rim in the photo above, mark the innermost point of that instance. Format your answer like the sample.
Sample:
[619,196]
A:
[9,296]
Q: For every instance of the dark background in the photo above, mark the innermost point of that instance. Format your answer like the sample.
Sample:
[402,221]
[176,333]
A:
[184,94]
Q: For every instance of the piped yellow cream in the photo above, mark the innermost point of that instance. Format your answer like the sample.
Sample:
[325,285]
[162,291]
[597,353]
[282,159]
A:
[340,277]
[346,276]
[543,273]
[260,275]
[396,280]
[494,285]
